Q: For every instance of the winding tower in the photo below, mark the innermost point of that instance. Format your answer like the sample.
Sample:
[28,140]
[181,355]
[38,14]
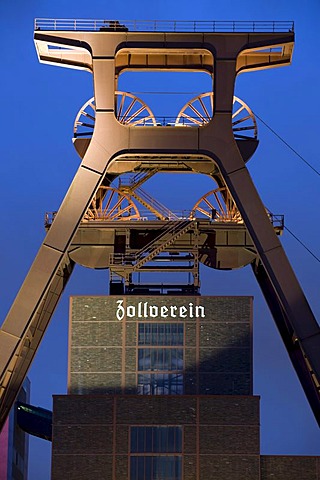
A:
[101,222]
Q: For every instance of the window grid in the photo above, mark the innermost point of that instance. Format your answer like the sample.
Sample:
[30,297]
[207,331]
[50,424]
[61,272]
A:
[156,452]
[167,467]
[160,359]
[160,384]
[158,334]
[160,364]
[155,439]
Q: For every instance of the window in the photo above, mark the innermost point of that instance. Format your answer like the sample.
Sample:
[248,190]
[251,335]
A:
[169,334]
[155,468]
[160,384]
[160,358]
[156,453]
[156,439]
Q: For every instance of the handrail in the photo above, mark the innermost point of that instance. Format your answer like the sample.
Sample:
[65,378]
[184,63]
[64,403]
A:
[146,253]
[161,121]
[154,203]
[171,228]
[163,25]
[277,220]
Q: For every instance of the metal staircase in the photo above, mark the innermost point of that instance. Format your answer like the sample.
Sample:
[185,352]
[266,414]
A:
[159,245]
[132,186]
[160,210]
[125,264]
[133,182]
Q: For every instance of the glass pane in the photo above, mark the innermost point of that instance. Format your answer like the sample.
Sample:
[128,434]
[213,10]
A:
[167,468]
[133,468]
[160,359]
[141,440]
[140,469]
[157,334]
[133,440]
[156,468]
[148,468]
[160,384]
[161,439]
[148,446]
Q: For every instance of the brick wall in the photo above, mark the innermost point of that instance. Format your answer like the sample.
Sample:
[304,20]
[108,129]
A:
[218,347]
[91,434]
[290,468]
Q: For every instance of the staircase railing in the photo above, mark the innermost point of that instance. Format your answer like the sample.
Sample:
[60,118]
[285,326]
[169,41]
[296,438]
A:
[157,245]
[174,233]
[160,210]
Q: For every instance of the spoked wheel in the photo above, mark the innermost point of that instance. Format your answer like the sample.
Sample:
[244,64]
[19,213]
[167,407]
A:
[111,204]
[199,111]
[130,110]
[218,206]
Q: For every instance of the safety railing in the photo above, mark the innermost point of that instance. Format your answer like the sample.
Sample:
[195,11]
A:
[150,202]
[277,221]
[140,121]
[145,215]
[162,25]
[48,218]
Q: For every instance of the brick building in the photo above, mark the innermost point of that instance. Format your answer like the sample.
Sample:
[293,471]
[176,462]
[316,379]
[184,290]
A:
[162,389]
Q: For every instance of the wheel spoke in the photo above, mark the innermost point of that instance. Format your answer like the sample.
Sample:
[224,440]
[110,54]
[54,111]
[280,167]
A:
[126,113]
[92,105]
[134,115]
[207,114]
[120,212]
[112,209]
[217,205]
[205,212]
[128,109]
[238,129]
[241,120]
[235,114]
[86,114]
[242,137]
[83,124]
[208,203]
[191,119]
[110,197]
[112,205]
[196,111]
[121,106]
[241,113]
[221,206]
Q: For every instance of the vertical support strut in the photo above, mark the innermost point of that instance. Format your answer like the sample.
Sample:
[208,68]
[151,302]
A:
[298,358]
[50,267]
[292,313]
[26,322]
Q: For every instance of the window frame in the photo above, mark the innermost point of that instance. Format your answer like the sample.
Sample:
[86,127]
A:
[175,455]
[142,388]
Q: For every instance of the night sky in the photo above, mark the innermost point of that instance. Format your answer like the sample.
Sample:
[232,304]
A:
[38,162]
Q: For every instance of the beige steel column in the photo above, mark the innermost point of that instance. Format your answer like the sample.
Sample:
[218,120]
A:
[217,137]
[22,322]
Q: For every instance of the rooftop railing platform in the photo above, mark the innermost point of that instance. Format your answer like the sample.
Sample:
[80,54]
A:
[219,26]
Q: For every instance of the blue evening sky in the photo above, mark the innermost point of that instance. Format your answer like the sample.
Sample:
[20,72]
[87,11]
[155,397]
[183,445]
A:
[38,161]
